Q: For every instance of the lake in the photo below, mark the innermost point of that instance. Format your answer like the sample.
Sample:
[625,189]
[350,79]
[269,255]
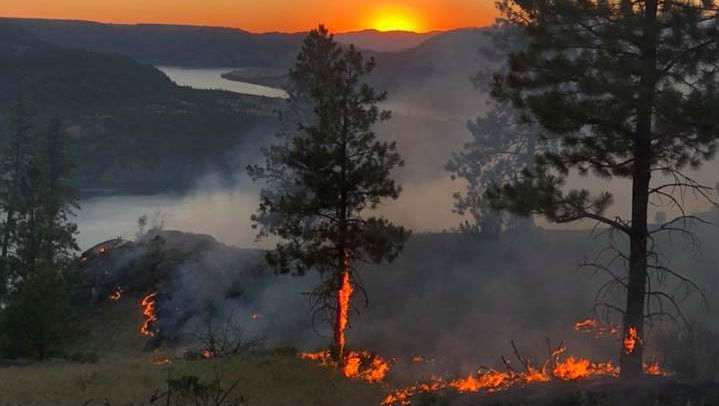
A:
[211,79]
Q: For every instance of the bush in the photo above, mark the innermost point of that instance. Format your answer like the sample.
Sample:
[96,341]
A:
[38,319]
[692,353]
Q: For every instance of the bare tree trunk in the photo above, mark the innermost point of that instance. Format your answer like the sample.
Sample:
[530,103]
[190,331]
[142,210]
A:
[632,348]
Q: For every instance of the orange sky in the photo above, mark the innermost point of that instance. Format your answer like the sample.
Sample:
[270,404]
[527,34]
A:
[267,15]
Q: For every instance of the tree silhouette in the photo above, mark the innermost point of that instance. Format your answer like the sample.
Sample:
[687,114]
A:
[629,88]
[322,178]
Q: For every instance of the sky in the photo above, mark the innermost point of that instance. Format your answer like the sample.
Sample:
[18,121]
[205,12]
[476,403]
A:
[268,15]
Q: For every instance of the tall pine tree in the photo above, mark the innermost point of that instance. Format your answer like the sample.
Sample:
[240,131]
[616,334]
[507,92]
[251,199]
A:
[323,178]
[630,89]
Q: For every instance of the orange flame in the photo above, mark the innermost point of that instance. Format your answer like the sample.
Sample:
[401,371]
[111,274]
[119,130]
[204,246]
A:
[116,295]
[630,340]
[572,369]
[654,369]
[254,316]
[356,364]
[417,358]
[148,311]
[590,325]
[344,291]
[207,354]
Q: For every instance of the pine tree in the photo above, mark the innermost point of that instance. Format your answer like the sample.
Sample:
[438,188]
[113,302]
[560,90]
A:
[630,90]
[323,178]
[38,241]
[14,175]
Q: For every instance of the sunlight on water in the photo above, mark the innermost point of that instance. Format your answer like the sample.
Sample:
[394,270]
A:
[209,78]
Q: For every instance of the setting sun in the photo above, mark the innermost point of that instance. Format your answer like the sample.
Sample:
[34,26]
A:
[395,19]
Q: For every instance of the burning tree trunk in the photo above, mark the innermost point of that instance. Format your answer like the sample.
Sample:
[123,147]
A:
[325,175]
[617,85]
[344,291]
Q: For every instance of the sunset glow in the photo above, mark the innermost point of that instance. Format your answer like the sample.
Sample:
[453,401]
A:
[268,15]
[395,19]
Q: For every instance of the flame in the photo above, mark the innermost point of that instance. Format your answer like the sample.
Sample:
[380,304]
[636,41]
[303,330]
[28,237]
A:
[254,316]
[654,369]
[402,396]
[116,295]
[344,291]
[590,325]
[417,358]
[630,340]
[148,311]
[356,364]
[207,354]
[572,369]
[162,361]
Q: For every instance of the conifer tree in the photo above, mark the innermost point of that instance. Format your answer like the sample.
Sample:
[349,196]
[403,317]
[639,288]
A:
[630,90]
[324,178]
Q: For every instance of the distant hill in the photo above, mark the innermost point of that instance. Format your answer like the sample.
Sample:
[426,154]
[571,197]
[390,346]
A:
[133,129]
[434,77]
[204,46]
[170,44]
[384,41]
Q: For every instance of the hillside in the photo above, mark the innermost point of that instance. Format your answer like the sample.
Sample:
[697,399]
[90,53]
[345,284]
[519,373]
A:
[133,130]
[124,374]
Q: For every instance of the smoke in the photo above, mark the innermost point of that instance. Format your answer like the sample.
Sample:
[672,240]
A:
[447,296]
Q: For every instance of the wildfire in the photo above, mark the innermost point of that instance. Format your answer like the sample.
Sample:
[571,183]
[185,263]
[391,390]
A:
[206,354]
[148,311]
[344,291]
[356,364]
[490,380]
[590,325]
[572,369]
[116,294]
[630,340]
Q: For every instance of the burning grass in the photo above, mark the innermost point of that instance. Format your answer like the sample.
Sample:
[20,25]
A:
[125,374]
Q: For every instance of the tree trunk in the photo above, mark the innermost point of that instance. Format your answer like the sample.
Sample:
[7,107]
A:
[631,358]
[344,291]
[632,348]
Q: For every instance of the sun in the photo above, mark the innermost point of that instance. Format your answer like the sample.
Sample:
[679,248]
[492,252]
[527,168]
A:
[394,19]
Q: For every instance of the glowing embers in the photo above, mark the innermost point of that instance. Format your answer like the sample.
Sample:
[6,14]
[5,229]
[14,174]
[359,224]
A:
[116,294]
[148,313]
[356,364]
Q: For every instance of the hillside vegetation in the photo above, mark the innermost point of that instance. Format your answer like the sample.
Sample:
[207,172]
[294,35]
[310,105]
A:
[133,129]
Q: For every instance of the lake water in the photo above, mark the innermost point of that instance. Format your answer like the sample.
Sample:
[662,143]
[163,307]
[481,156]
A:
[211,79]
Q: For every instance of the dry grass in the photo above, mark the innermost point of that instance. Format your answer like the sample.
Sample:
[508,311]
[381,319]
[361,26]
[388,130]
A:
[125,375]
